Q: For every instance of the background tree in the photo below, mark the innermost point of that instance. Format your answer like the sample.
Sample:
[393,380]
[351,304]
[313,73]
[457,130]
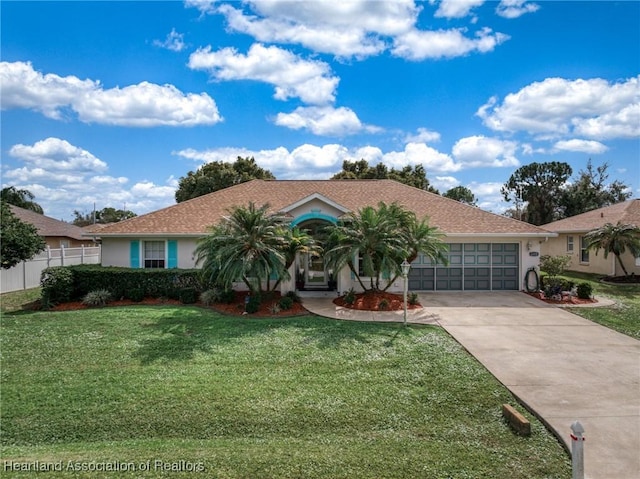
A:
[218,175]
[616,239]
[461,194]
[248,245]
[540,185]
[103,216]
[415,176]
[591,191]
[19,241]
[22,198]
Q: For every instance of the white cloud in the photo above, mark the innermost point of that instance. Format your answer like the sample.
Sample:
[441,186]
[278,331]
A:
[327,121]
[624,123]
[353,28]
[583,146]
[423,135]
[54,154]
[456,8]
[489,196]
[444,183]
[293,77]
[64,178]
[146,105]
[421,44]
[304,162]
[142,105]
[480,151]
[515,8]
[205,6]
[174,41]
[558,107]
[419,153]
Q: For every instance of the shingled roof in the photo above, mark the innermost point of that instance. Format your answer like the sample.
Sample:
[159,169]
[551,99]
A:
[627,212]
[193,217]
[47,226]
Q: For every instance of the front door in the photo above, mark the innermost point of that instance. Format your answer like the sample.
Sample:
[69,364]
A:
[316,275]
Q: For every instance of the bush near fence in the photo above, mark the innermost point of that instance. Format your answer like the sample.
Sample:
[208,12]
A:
[122,283]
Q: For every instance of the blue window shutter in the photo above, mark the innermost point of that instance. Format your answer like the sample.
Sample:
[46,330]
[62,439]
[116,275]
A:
[134,254]
[172,254]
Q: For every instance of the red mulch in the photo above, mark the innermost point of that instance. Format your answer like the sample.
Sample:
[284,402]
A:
[236,308]
[565,300]
[370,301]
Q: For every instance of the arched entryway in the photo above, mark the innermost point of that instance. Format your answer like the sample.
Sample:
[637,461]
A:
[311,270]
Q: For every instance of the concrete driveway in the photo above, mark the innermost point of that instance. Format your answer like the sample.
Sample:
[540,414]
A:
[561,366]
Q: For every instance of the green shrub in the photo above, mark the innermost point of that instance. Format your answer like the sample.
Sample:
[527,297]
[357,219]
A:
[285,303]
[121,282]
[135,294]
[188,295]
[412,298]
[383,304]
[553,286]
[57,286]
[99,297]
[274,308]
[253,305]
[350,296]
[585,291]
[295,297]
[210,296]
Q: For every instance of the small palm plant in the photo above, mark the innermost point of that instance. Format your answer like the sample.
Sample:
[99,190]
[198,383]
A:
[616,239]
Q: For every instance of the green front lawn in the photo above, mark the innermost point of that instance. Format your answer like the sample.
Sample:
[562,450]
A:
[228,397]
[623,316]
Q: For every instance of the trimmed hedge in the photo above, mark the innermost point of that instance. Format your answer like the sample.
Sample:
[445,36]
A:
[126,283]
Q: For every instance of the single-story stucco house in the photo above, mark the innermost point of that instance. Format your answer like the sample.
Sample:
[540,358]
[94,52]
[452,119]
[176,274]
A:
[570,239]
[56,233]
[486,251]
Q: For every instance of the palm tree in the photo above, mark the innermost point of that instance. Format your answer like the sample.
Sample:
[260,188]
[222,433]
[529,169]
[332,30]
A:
[616,239]
[422,238]
[248,246]
[382,238]
[297,241]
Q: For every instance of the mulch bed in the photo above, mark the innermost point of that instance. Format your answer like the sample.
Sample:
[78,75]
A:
[236,308]
[566,300]
[370,301]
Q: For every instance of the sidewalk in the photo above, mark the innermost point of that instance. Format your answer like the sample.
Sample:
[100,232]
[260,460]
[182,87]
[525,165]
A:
[562,367]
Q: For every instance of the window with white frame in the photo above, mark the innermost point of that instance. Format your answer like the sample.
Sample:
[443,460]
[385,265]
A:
[154,254]
[584,252]
[569,244]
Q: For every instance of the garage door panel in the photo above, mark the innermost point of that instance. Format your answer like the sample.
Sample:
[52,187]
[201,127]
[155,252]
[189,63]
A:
[472,266]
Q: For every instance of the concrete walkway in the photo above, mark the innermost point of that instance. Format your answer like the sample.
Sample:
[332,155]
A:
[561,366]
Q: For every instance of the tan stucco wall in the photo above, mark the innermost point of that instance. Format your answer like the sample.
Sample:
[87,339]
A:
[597,263]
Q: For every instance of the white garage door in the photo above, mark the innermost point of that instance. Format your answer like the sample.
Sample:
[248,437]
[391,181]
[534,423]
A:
[472,266]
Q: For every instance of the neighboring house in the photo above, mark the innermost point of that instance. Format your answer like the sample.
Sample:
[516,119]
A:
[56,233]
[570,239]
[487,251]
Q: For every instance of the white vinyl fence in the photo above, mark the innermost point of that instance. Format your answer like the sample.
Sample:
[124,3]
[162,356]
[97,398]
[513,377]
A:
[26,275]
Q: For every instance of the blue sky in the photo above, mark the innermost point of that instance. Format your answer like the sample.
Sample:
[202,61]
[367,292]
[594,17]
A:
[112,102]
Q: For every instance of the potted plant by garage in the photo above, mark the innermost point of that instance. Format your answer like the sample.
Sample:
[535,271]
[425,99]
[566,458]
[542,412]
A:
[300,279]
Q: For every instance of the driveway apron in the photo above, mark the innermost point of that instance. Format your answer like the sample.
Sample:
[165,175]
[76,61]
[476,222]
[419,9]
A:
[562,367]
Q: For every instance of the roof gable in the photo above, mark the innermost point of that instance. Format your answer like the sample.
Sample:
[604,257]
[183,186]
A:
[195,216]
[47,226]
[627,212]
